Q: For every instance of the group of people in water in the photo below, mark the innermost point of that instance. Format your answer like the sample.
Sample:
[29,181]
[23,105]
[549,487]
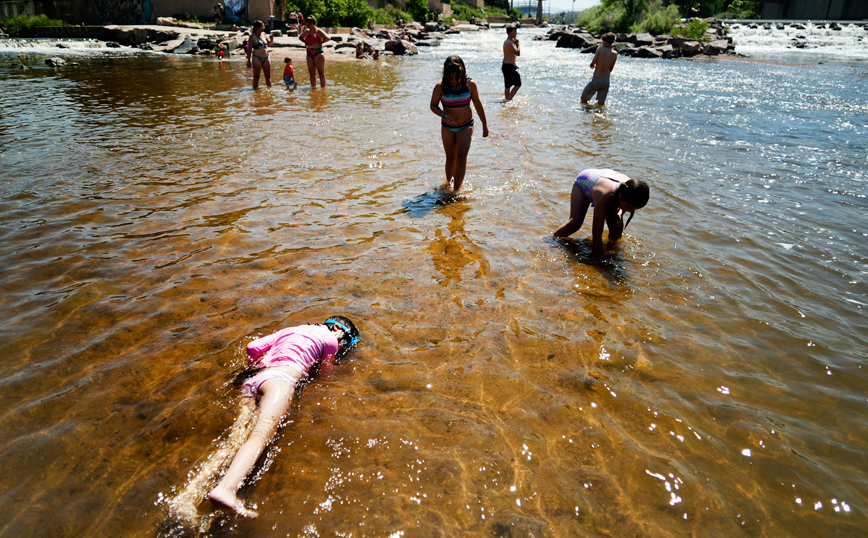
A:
[258,57]
[612,194]
[280,361]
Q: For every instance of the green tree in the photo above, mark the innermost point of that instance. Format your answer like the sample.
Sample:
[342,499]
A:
[418,9]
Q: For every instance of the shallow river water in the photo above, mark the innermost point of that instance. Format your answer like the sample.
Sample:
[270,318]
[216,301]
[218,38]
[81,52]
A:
[707,377]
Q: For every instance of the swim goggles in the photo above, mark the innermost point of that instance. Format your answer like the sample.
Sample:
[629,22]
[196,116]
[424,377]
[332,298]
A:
[353,339]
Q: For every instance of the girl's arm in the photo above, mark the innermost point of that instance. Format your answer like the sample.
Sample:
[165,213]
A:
[325,37]
[477,104]
[327,365]
[303,33]
[601,208]
[270,40]
[435,105]
[249,48]
[258,347]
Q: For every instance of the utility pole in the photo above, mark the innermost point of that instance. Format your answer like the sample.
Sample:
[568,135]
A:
[539,12]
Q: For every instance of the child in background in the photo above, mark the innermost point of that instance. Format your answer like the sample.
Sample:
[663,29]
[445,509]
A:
[289,75]
[602,64]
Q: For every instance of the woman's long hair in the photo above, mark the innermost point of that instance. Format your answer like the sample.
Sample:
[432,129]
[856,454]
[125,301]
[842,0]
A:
[453,64]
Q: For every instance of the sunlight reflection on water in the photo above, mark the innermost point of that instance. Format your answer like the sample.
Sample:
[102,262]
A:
[157,214]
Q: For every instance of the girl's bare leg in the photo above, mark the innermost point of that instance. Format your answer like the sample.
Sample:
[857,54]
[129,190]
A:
[578,209]
[266,68]
[320,66]
[463,138]
[311,70]
[273,405]
[257,68]
[449,147]
[184,504]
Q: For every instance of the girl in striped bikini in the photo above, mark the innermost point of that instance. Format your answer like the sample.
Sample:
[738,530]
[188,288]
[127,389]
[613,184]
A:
[455,92]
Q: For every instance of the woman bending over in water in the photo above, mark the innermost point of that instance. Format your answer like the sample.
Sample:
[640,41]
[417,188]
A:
[612,194]
[285,358]
[455,92]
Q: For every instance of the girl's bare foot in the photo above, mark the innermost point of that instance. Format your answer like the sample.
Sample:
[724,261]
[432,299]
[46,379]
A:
[227,499]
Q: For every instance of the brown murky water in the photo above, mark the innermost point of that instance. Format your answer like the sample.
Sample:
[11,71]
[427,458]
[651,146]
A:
[706,379]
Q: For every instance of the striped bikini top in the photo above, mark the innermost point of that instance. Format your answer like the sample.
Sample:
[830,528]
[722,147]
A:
[455,100]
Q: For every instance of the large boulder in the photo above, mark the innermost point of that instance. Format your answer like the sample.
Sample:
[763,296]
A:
[183,46]
[678,42]
[466,27]
[161,36]
[231,44]
[625,49]
[399,47]
[643,40]
[691,48]
[648,52]
[575,41]
[207,43]
[55,62]
[669,52]
[554,35]
[716,47]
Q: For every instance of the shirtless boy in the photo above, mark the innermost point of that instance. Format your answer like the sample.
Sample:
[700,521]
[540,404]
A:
[511,50]
[602,64]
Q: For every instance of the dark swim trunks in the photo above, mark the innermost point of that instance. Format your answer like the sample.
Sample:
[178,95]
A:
[510,75]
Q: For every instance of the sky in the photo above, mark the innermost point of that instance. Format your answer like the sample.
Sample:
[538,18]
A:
[556,6]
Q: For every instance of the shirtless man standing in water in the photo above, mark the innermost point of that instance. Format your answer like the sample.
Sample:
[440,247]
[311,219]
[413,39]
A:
[602,64]
[511,50]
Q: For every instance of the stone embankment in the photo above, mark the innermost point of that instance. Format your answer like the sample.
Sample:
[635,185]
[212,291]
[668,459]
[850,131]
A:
[714,43]
[171,37]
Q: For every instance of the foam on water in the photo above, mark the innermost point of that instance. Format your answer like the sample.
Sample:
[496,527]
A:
[803,37]
[61,47]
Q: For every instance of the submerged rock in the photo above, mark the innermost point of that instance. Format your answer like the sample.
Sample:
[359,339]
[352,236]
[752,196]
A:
[55,62]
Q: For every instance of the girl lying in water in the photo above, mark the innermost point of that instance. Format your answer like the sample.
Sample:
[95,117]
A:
[285,358]
[612,194]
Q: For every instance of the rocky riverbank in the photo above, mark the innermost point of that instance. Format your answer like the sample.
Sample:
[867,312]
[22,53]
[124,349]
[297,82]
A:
[178,38]
[174,37]
[714,43]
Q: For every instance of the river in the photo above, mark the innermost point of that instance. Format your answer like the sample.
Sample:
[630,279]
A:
[707,377]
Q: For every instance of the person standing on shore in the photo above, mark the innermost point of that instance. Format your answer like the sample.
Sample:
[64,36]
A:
[511,50]
[612,194]
[602,64]
[455,92]
[313,38]
[257,53]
